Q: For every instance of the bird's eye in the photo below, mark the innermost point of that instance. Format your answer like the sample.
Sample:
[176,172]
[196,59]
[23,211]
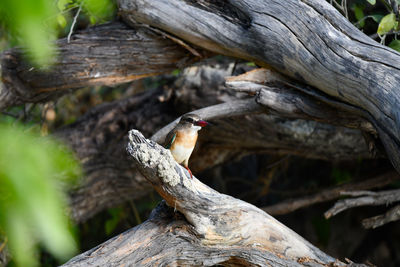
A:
[189,120]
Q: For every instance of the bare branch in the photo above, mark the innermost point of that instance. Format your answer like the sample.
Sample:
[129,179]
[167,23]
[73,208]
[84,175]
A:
[211,223]
[225,110]
[371,198]
[390,216]
[330,194]
[71,30]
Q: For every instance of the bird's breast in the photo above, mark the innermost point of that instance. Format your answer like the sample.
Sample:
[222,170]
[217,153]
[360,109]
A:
[183,146]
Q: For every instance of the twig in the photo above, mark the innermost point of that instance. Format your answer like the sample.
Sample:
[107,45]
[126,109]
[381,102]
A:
[176,40]
[74,22]
[358,193]
[330,194]
[390,216]
[380,198]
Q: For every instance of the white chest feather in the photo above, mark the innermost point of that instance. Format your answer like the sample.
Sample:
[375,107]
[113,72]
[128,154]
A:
[181,153]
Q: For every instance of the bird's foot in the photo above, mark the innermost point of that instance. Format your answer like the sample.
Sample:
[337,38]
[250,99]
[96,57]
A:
[190,172]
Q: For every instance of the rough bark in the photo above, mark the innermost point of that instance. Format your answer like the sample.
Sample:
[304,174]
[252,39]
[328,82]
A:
[98,138]
[213,229]
[307,40]
[108,54]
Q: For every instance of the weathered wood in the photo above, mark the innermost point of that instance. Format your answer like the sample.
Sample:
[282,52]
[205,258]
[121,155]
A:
[307,40]
[167,239]
[108,54]
[330,194]
[363,198]
[99,137]
[215,228]
[284,98]
[390,216]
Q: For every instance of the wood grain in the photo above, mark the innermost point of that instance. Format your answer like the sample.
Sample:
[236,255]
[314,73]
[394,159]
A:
[306,40]
[99,137]
[200,227]
[108,54]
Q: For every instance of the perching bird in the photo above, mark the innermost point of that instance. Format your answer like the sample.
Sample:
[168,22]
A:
[182,139]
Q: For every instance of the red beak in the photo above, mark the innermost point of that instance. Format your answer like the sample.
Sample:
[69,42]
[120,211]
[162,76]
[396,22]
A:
[201,123]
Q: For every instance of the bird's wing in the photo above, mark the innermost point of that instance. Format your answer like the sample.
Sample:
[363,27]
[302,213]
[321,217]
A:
[169,139]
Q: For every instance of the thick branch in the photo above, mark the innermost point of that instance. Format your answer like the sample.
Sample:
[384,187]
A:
[306,40]
[282,97]
[108,54]
[211,222]
[167,239]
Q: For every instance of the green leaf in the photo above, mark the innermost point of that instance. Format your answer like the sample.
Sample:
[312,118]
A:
[176,72]
[340,176]
[99,10]
[359,14]
[63,4]
[31,25]
[33,172]
[117,214]
[61,21]
[372,2]
[377,18]
[395,44]
[387,23]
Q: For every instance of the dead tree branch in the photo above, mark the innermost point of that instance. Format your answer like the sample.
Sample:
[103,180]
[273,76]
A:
[390,216]
[108,54]
[99,137]
[330,194]
[368,198]
[213,229]
[309,41]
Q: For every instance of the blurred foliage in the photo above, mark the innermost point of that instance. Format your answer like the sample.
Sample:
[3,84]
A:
[383,17]
[340,176]
[33,173]
[35,24]
[322,229]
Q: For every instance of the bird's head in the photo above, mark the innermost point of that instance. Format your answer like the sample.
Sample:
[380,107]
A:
[193,121]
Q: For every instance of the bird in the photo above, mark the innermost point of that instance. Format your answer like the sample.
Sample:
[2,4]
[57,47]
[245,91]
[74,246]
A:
[181,140]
